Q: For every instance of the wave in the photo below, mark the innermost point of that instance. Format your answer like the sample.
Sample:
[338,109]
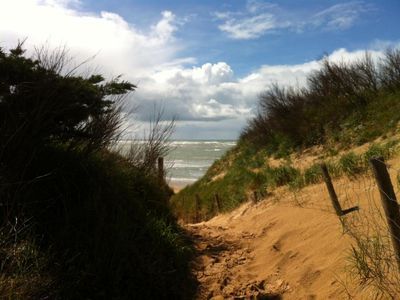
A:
[188,165]
[182,179]
[227,143]
[127,143]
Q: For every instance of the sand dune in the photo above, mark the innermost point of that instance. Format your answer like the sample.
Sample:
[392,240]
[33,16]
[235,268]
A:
[270,250]
[276,249]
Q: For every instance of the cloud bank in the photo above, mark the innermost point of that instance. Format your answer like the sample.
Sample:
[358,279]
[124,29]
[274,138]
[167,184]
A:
[117,44]
[209,100]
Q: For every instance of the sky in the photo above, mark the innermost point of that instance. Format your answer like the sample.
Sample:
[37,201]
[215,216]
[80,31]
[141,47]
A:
[205,62]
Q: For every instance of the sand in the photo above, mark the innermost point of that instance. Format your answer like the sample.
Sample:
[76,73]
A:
[176,187]
[270,249]
[279,250]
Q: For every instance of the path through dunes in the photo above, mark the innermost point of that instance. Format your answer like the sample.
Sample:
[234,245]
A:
[290,245]
[268,250]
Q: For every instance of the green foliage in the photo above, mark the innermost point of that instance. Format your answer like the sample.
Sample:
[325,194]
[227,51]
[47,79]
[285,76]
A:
[246,171]
[285,147]
[232,189]
[351,164]
[334,169]
[42,105]
[110,233]
[281,175]
[376,150]
[99,227]
[297,183]
[313,174]
[380,150]
[343,103]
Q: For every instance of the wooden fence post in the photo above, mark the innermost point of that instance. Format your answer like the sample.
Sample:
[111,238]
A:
[332,194]
[389,202]
[255,197]
[331,190]
[197,208]
[217,203]
[160,163]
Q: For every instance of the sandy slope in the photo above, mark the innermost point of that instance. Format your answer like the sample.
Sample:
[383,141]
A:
[287,246]
[270,249]
[279,250]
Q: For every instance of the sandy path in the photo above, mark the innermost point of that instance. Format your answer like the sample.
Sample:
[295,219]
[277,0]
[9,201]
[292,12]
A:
[220,257]
[269,251]
[288,246]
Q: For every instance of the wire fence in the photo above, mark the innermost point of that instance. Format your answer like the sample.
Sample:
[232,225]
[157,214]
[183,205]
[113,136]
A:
[374,260]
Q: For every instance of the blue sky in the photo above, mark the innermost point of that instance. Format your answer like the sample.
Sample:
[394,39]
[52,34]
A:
[205,61]
[365,22]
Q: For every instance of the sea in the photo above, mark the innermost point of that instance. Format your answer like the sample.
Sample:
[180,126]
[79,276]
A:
[189,160]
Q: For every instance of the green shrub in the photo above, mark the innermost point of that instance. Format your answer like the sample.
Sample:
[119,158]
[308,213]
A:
[334,169]
[110,233]
[281,175]
[351,164]
[259,181]
[285,147]
[99,227]
[376,150]
[297,183]
[381,150]
[313,174]
[347,103]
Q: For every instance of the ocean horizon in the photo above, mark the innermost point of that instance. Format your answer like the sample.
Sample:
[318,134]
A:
[189,160]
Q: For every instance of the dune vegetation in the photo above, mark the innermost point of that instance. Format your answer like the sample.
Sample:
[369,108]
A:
[79,221]
[345,115]
[343,105]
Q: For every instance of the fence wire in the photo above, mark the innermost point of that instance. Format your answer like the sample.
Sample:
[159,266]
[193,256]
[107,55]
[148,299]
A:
[373,260]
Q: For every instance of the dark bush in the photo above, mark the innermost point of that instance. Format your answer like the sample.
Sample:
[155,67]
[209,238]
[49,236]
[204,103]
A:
[99,227]
[336,94]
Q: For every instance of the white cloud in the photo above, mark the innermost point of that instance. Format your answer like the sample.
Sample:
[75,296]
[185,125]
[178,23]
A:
[209,100]
[212,109]
[255,21]
[119,45]
[213,93]
[249,28]
[254,6]
[382,45]
[165,27]
[341,16]
[260,18]
[342,55]
[198,93]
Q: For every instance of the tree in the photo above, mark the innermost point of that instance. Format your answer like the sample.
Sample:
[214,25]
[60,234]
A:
[41,104]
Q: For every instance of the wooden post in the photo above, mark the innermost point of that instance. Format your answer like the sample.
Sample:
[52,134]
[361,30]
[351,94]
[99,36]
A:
[389,202]
[255,196]
[197,208]
[331,190]
[160,163]
[217,203]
